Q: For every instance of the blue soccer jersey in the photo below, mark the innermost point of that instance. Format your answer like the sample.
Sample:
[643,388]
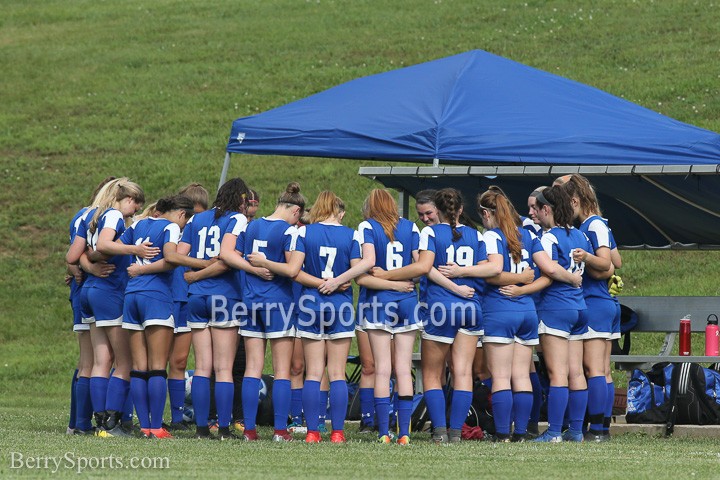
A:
[597,230]
[468,250]
[273,238]
[390,255]
[74,226]
[113,220]
[157,231]
[328,250]
[203,233]
[496,244]
[559,244]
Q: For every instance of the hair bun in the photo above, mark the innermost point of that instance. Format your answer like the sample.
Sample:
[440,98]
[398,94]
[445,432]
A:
[293,187]
[165,204]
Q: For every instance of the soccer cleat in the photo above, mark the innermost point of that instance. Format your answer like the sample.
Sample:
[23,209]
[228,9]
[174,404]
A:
[313,437]
[385,439]
[404,440]
[202,433]
[454,435]
[520,437]
[160,433]
[365,428]
[296,427]
[501,438]
[532,430]
[250,435]
[90,431]
[239,426]
[570,436]
[224,433]
[595,436]
[440,435]
[70,431]
[145,432]
[337,436]
[282,436]
[548,437]
[116,432]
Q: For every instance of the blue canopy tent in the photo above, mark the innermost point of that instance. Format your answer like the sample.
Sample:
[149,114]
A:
[477,109]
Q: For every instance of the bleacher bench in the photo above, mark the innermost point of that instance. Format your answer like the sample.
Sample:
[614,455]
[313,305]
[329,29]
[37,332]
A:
[662,315]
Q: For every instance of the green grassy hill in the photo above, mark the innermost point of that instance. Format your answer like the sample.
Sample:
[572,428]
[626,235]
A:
[149,90]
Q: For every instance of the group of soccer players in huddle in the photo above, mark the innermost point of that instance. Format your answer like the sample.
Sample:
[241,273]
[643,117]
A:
[145,288]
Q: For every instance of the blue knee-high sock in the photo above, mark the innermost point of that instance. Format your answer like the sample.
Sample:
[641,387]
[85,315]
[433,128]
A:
[382,409]
[296,405]
[522,407]
[281,402]
[609,402]
[557,403]
[311,404]
[461,401]
[435,401]
[117,392]
[338,403]
[98,393]
[577,402]
[200,392]
[157,393]
[502,404]
[83,404]
[176,392]
[224,392]
[324,395]
[537,397]
[73,401]
[404,411]
[128,407]
[597,396]
[367,407]
[250,400]
[139,393]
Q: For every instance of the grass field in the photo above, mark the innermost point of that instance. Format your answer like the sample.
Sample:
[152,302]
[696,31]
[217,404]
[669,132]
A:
[149,90]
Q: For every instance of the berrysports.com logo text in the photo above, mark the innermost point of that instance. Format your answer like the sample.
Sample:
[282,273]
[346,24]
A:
[307,311]
[70,461]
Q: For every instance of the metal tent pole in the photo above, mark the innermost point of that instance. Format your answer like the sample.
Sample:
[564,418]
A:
[223,174]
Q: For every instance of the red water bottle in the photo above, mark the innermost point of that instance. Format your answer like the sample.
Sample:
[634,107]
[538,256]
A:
[711,336]
[685,336]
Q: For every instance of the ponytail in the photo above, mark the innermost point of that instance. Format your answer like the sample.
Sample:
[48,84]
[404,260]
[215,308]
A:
[449,201]
[507,218]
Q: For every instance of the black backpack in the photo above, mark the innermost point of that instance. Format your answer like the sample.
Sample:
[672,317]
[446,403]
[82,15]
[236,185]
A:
[688,404]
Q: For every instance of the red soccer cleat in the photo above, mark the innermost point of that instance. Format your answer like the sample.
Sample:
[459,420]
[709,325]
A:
[313,437]
[160,433]
[337,436]
[250,435]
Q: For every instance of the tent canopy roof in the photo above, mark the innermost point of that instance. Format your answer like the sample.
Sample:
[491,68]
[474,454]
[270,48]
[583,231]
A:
[473,108]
